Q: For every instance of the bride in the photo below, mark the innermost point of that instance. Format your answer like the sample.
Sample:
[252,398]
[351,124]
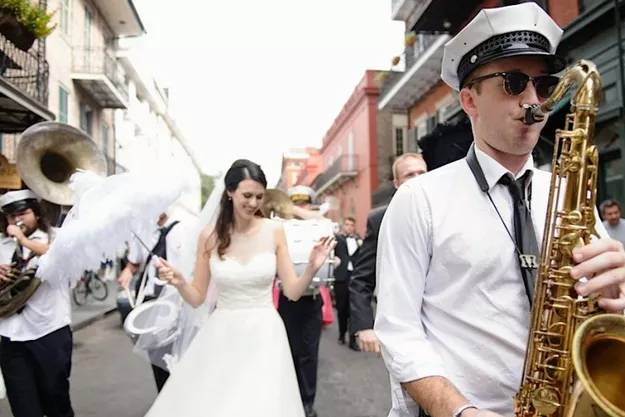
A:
[239,363]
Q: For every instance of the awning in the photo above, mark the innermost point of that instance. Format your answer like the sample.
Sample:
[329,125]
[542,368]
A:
[19,111]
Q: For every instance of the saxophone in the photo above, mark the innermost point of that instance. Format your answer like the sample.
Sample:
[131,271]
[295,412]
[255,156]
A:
[575,360]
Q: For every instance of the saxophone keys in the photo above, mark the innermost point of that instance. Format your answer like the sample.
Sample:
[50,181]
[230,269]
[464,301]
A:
[545,401]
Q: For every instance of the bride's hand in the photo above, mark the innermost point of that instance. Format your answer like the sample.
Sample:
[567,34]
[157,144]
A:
[320,251]
[168,273]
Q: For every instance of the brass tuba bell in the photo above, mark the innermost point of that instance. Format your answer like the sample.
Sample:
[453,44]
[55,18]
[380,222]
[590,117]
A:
[48,154]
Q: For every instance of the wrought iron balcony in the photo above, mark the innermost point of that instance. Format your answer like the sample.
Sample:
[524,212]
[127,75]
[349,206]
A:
[341,170]
[98,72]
[423,67]
[23,88]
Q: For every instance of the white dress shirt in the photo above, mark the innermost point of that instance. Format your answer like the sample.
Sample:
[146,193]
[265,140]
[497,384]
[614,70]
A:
[352,247]
[137,254]
[48,309]
[451,300]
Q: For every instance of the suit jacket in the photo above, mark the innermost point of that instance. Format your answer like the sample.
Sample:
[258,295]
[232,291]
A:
[341,251]
[362,284]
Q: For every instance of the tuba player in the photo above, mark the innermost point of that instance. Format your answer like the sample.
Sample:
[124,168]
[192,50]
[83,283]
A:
[36,346]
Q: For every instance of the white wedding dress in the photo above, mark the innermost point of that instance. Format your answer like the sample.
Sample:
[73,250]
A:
[239,363]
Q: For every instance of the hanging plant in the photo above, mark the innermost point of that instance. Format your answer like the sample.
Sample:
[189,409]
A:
[410,39]
[22,22]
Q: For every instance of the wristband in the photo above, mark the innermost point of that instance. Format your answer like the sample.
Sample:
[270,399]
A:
[458,411]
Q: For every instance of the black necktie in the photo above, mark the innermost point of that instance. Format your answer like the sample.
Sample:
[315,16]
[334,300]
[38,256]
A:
[524,234]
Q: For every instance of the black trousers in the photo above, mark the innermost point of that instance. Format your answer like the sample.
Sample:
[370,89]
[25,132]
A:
[302,320]
[160,377]
[341,295]
[36,374]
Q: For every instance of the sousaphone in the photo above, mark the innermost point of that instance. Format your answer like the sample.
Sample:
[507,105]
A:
[48,154]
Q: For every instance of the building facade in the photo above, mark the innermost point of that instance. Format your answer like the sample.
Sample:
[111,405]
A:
[148,138]
[87,83]
[597,33]
[356,154]
[300,166]
[85,74]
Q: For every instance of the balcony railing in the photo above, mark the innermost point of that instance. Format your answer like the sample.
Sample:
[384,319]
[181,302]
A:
[89,63]
[24,71]
[411,56]
[423,67]
[344,168]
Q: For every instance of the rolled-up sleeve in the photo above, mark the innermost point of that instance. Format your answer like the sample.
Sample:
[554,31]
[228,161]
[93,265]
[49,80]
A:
[404,252]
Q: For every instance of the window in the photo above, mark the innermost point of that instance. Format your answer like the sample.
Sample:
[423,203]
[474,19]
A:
[86,118]
[65,16]
[585,5]
[63,95]
[399,141]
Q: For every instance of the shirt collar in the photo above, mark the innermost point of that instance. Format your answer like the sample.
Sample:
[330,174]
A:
[493,170]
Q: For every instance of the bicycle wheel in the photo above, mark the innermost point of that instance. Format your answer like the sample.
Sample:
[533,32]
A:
[79,292]
[98,288]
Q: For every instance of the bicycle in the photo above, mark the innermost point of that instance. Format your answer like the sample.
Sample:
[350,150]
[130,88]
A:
[89,284]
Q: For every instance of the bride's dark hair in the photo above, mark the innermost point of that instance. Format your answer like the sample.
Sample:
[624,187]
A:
[241,169]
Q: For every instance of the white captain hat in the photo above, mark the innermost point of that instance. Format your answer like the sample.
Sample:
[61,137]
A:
[301,194]
[522,29]
[13,201]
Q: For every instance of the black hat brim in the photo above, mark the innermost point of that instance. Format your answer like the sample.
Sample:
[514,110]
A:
[19,206]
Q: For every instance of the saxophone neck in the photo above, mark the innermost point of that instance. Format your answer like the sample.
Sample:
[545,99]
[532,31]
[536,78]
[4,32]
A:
[583,74]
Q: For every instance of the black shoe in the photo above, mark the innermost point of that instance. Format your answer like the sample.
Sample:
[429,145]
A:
[309,410]
[353,345]
[341,340]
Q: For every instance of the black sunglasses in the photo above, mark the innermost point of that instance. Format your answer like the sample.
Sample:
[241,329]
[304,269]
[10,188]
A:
[515,83]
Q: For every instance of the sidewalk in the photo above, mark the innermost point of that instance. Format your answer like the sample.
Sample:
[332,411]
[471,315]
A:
[94,310]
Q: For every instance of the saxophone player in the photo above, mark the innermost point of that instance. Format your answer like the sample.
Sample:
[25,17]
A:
[36,344]
[458,247]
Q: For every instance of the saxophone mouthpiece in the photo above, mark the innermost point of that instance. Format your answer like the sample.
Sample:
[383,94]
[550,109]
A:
[533,114]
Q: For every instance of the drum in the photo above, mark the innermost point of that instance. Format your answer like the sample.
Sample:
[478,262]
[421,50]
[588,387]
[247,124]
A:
[301,236]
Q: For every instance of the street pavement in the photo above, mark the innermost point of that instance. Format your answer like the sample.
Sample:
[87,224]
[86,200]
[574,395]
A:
[109,380]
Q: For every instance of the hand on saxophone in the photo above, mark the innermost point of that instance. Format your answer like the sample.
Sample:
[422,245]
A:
[16,232]
[603,263]
[4,272]
[168,273]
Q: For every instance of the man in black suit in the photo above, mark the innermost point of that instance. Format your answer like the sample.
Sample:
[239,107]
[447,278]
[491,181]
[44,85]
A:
[362,285]
[347,243]
[445,144]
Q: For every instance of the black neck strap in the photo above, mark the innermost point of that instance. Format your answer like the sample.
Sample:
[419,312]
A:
[476,169]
